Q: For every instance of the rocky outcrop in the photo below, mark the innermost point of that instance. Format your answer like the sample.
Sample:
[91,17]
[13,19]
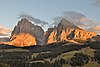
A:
[22,40]
[26,34]
[46,35]
[66,31]
[25,26]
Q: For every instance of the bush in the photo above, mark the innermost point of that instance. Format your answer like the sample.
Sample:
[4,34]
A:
[79,40]
[97,56]
[79,59]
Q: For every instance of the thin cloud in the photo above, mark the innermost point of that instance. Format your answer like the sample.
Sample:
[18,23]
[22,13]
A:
[4,31]
[56,21]
[79,20]
[34,20]
[96,3]
[97,28]
[86,24]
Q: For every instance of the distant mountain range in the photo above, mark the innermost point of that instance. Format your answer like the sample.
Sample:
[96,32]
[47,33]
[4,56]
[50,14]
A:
[27,34]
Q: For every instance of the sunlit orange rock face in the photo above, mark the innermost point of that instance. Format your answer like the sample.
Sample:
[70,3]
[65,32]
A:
[73,34]
[22,39]
[67,31]
[26,34]
[52,38]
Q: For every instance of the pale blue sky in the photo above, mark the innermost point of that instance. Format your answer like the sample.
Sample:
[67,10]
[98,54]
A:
[44,10]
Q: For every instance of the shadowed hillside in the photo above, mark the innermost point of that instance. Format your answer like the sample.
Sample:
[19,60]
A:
[62,54]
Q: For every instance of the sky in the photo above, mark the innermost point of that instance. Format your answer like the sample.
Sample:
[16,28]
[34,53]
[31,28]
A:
[45,10]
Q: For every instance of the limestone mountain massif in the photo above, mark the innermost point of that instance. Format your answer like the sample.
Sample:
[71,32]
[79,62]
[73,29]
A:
[27,34]
[66,31]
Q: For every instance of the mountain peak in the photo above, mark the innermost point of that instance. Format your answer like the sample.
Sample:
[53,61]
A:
[27,34]
[23,26]
[25,30]
[65,23]
[68,31]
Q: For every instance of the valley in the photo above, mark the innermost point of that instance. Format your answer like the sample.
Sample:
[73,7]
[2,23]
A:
[55,55]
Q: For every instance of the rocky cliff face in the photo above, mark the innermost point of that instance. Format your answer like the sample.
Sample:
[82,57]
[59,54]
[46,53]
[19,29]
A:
[26,34]
[25,26]
[23,39]
[67,31]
